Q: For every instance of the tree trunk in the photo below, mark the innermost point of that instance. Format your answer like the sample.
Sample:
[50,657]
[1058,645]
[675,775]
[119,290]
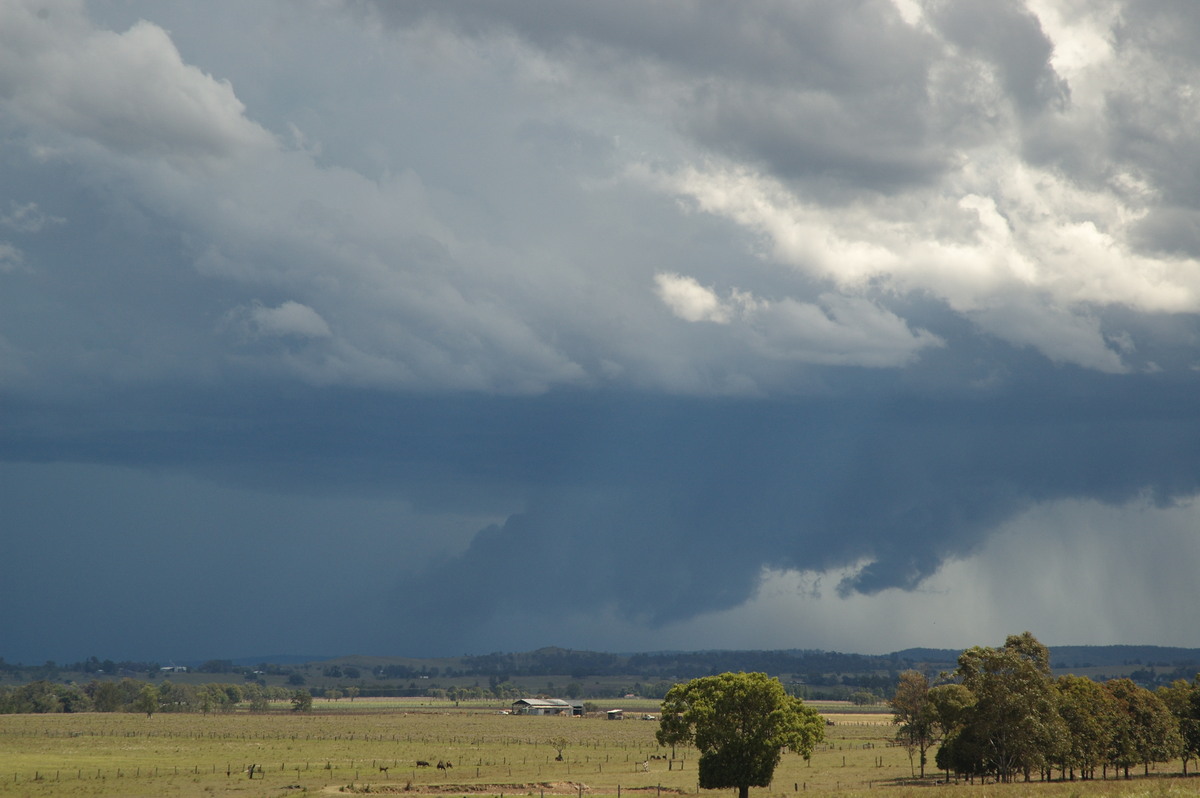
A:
[744,791]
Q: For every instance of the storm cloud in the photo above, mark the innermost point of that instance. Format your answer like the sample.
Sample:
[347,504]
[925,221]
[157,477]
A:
[477,326]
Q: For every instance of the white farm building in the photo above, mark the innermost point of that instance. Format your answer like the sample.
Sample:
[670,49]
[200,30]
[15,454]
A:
[546,706]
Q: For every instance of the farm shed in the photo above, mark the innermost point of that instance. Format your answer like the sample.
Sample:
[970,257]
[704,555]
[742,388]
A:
[545,706]
[615,714]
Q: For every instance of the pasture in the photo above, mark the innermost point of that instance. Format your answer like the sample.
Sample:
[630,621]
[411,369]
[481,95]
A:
[372,746]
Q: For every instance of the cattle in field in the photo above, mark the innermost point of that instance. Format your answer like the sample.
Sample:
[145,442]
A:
[444,765]
[421,763]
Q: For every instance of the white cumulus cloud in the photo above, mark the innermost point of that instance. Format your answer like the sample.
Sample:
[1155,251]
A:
[129,92]
[835,330]
[1024,253]
[689,300]
[288,319]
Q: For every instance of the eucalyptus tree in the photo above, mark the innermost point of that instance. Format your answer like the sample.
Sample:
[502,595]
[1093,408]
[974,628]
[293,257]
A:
[1151,733]
[1183,699]
[1090,713]
[913,713]
[302,701]
[257,695]
[950,706]
[1013,726]
[147,700]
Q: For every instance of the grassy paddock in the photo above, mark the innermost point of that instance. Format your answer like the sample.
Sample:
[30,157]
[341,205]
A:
[373,745]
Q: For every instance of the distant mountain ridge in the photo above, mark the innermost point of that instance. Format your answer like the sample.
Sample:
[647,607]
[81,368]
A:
[815,668]
[808,673]
[1102,656]
[1062,657]
[556,660]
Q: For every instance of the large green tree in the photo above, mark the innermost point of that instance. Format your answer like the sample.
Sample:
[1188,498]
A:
[741,723]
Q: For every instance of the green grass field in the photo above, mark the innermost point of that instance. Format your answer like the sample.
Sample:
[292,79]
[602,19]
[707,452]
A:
[371,746]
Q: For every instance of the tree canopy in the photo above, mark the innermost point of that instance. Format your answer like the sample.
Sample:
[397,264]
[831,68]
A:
[741,723]
[1006,716]
[1013,724]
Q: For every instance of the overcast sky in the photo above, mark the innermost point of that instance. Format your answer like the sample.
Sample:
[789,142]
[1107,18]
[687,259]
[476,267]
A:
[438,328]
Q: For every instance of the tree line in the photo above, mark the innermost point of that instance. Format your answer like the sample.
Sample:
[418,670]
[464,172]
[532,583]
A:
[812,668]
[51,670]
[500,670]
[131,695]
[1002,715]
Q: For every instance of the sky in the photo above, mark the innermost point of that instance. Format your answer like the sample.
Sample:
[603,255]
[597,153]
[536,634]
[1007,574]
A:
[338,327]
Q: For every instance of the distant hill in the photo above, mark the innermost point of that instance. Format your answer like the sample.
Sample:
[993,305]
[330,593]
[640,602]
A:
[821,672]
[810,672]
[1107,656]
[1071,657]
[947,656]
[274,659]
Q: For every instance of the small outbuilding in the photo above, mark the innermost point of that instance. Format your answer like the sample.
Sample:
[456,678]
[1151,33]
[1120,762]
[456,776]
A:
[615,714]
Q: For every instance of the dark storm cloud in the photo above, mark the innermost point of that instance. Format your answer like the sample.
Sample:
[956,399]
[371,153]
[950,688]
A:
[651,508]
[661,509]
[658,509]
[496,318]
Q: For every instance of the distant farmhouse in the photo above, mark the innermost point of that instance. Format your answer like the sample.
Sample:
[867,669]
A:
[547,706]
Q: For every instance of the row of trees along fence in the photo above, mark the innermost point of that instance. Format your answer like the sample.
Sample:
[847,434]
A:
[1002,715]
